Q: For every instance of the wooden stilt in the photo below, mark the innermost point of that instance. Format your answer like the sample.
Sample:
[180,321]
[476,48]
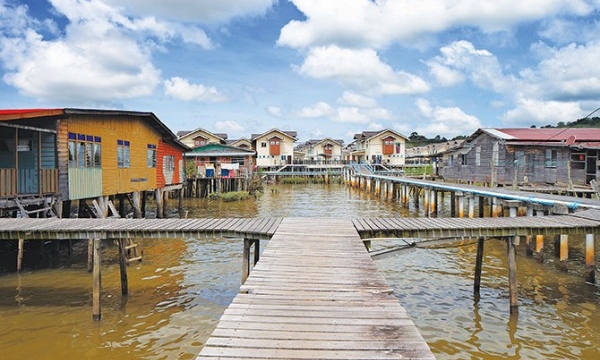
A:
[246,260]
[461,205]
[90,262]
[481,206]
[20,254]
[471,200]
[478,267]
[256,251]
[563,250]
[452,204]
[512,273]
[137,211]
[123,266]
[97,287]
[165,204]
[159,204]
[590,259]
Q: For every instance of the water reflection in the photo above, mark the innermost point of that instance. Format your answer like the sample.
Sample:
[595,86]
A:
[181,288]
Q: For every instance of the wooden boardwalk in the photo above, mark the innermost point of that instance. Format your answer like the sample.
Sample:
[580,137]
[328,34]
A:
[315,294]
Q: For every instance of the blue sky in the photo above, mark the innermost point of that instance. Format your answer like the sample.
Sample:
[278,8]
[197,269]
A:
[324,68]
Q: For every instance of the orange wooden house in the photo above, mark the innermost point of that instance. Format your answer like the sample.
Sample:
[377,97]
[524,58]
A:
[61,155]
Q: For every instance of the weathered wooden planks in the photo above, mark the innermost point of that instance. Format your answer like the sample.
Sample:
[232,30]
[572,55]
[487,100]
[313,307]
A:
[315,293]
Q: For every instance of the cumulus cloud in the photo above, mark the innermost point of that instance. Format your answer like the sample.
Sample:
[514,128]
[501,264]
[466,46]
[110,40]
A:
[204,11]
[274,111]
[182,89]
[460,60]
[445,121]
[355,99]
[360,68]
[539,112]
[320,109]
[380,23]
[229,126]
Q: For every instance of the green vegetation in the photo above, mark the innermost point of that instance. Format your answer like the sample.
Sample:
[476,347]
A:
[316,179]
[593,122]
[230,196]
[418,170]
[256,185]
[416,139]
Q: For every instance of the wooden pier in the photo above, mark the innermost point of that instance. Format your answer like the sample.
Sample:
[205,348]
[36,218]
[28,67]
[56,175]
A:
[315,294]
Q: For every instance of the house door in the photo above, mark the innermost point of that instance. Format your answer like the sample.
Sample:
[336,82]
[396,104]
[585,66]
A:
[591,166]
[27,162]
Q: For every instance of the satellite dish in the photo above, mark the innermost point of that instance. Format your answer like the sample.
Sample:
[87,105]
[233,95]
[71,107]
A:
[571,140]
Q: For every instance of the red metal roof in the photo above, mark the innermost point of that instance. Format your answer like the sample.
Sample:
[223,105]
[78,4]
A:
[554,134]
[14,114]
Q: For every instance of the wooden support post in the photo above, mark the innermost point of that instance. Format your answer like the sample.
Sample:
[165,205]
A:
[512,273]
[256,251]
[180,204]
[452,204]
[426,207]
[20,254]
[563,253]
[159,204]
[165,204]
[471,200]
[90,261]
[97,287]
[494,208]
[367,244]
[246,260]
[478,267]
[123,266]
[481,206]
[432,202]
[461,204]
[513,205]
[590,259]
[137,211]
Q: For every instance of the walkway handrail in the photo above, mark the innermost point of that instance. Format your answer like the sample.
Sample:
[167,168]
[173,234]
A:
[528,197]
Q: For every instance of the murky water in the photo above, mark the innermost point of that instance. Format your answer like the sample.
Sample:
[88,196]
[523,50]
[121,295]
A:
[181,288]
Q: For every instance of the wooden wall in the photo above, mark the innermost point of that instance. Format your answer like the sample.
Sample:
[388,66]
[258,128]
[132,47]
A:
[138,176]
[163,176]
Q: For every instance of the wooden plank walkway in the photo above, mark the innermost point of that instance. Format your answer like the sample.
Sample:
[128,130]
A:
[315,294]
[76,229]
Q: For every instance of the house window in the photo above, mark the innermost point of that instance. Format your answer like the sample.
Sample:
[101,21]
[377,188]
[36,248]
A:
[123,154]
[551,158]
[238,160]
[85,151]
[463,159]
[263,144]
[151,155]
[478,156]
[169,163]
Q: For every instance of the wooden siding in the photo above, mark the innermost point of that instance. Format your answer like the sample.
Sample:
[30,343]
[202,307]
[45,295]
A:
[513,163]
[138,176]
[8,182]
[62,143]
[85,183]
[168,178]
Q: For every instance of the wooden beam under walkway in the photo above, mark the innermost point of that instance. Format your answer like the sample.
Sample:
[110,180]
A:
[315,293]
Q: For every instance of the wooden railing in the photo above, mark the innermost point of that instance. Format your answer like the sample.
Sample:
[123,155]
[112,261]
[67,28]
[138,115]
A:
[15,182]
[48,181]
[8,182]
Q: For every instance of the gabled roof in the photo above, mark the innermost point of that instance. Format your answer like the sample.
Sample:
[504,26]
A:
[367,135]
[289,134]
[149,117]
[219,150]
[221,136]
[542,134]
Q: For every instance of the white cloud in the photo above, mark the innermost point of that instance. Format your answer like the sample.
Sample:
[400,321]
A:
[564,73]
[354,99]
[538,112]
[229,126]
[445,121]
[274,111]
[320,109]
[204,11]
[379,23]
[361,69]
[461,60]
[182,89]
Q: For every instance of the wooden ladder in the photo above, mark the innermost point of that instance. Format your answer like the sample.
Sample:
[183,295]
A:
[45,210]
[131,251]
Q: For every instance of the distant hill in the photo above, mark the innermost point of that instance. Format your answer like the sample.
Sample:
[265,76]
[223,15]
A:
[593,122]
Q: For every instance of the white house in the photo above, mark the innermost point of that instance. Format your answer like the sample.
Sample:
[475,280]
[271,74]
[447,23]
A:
[200,137]
[274,148]
[386,147]
[321,150]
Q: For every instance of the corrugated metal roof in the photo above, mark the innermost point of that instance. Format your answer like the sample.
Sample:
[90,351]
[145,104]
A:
[548,134]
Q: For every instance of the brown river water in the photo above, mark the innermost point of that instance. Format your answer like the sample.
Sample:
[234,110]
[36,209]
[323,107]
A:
[180,289]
